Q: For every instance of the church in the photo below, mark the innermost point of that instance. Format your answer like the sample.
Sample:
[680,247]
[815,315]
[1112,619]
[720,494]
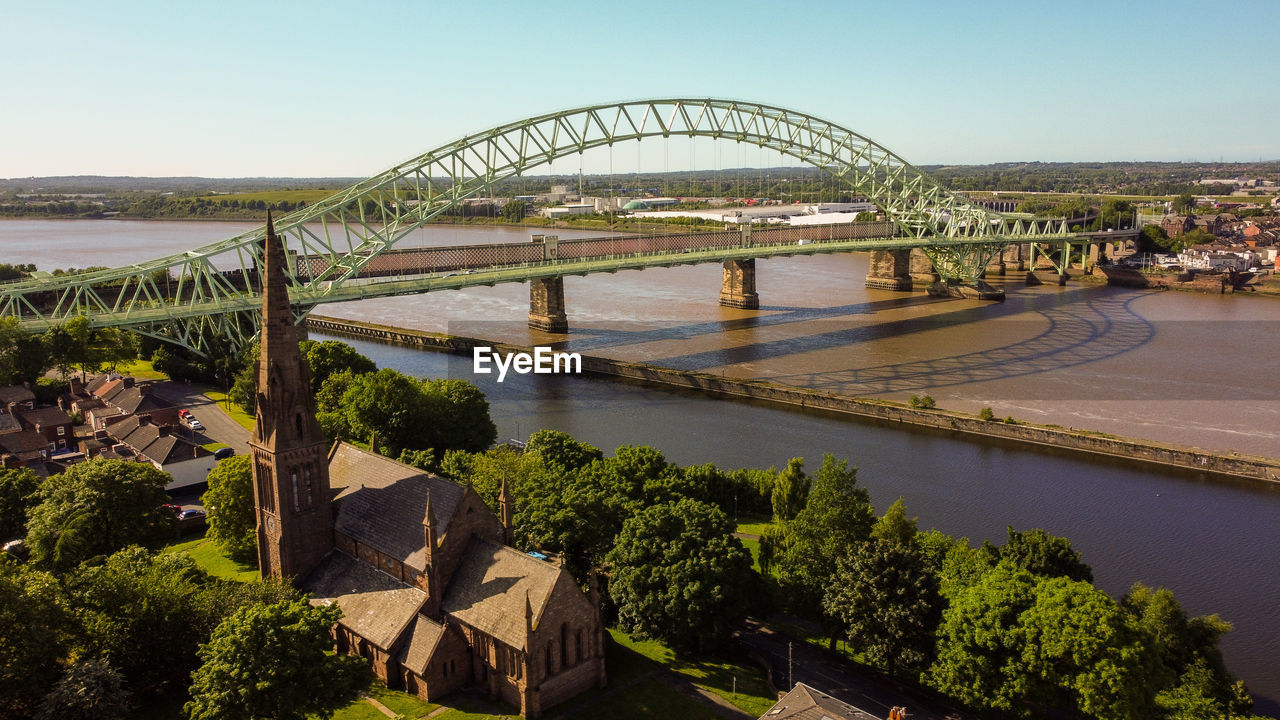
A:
[431,591]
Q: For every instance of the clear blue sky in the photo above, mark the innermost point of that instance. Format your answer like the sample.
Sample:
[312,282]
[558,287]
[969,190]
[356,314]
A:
[347,89]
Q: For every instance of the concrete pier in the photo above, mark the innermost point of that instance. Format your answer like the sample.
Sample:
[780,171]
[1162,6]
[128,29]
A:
[546,305]
[739,287]
[890,270]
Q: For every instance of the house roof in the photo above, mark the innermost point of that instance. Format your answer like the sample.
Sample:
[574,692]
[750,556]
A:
[491,587]
[375,606]
[46,416]
[135,399]
[23,441]
[382,503]
[16,394]
[153,441]
[9,423]
[424,637]
[100,380]
[806,703]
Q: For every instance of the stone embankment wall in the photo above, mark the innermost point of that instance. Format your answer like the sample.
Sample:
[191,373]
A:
[1084,442]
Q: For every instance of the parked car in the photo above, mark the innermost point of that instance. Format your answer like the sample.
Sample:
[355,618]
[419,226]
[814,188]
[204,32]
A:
[223,453]
[195,424]
[175,509]
[191,514]
[183,412]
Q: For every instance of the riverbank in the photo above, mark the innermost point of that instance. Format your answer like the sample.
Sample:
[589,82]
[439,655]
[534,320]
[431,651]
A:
[1083,442]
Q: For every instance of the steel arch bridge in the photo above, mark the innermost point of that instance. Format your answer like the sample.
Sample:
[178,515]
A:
[184,297]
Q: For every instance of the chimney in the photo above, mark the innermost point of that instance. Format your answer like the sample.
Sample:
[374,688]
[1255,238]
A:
[163,430]
[77,386]
[127,382]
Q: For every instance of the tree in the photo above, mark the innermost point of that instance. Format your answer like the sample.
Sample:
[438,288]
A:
[388,408]
[560,450]
[790,491]
[513,211]
[90,690]
[836,517]
[1184,203]
[679,575]
[1152,238]
[95,508]
[461,419]
[33,625]
[888,603]
[232,517]
[22,356]
[18,488]
[330,356]
[274,661]
[1182,643]
[894,526]
[1043,554]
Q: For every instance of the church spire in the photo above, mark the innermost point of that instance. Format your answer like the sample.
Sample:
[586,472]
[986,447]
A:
[290,468]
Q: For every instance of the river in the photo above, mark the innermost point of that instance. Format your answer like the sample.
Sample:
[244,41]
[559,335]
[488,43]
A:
[1192,369]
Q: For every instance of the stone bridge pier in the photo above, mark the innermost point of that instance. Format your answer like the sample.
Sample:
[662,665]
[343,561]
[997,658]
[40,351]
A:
[739,287]
[546,305]
[890,270]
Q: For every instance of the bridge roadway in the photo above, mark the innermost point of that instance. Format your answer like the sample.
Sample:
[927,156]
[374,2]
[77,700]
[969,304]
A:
[429,269]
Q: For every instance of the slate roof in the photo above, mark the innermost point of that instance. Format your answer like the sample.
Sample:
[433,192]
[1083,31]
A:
[135,399]
[147,439]
[424,638]
[9,423]
[100,380]
[46,416]
[23,442]
[375,606]
[382,503]
[16,394]
[806,703]
[489,590]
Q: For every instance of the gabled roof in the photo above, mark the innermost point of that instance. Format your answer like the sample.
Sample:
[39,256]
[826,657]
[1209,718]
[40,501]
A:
[150,440]
[382,503]
[24,442]
[375,606]
[489,590]
[806,703]
[16,394]
[100,380]
[424,637]
[135,400]
[9,423]
[46,416]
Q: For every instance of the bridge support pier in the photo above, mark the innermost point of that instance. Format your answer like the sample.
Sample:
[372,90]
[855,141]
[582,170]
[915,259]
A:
[921,268]
[739,287]
[890,270]
[546,305]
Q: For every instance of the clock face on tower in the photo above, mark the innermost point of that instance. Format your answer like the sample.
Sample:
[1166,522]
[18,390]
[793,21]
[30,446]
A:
[271,523]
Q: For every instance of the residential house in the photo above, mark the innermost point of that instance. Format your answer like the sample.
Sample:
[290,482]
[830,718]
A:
[16,396]
[53,424]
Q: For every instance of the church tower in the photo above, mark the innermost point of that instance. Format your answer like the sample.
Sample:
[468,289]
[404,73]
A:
[290,459]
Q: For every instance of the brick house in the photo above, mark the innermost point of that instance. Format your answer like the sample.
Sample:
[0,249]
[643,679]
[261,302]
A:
[432,594]
[1177,225]
[52,423]
[13,397]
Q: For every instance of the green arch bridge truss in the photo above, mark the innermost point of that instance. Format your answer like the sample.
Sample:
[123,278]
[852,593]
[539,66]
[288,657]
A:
[183,298]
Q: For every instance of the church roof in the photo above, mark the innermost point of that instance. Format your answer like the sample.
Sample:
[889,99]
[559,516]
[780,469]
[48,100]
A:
[375,606]
[806,703]
[382,502]
[489,588]
[424,637]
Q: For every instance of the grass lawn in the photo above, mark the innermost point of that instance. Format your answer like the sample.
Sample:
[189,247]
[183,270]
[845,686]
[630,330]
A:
[210,557]
[309,196]
[646,700]
[401,702]
[357,709]
[753,547]
[753,524]
[715,673]
[231,408]
[140,369]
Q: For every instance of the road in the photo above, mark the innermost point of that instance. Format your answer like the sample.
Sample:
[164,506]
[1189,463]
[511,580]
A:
[841,678]
[218,425]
